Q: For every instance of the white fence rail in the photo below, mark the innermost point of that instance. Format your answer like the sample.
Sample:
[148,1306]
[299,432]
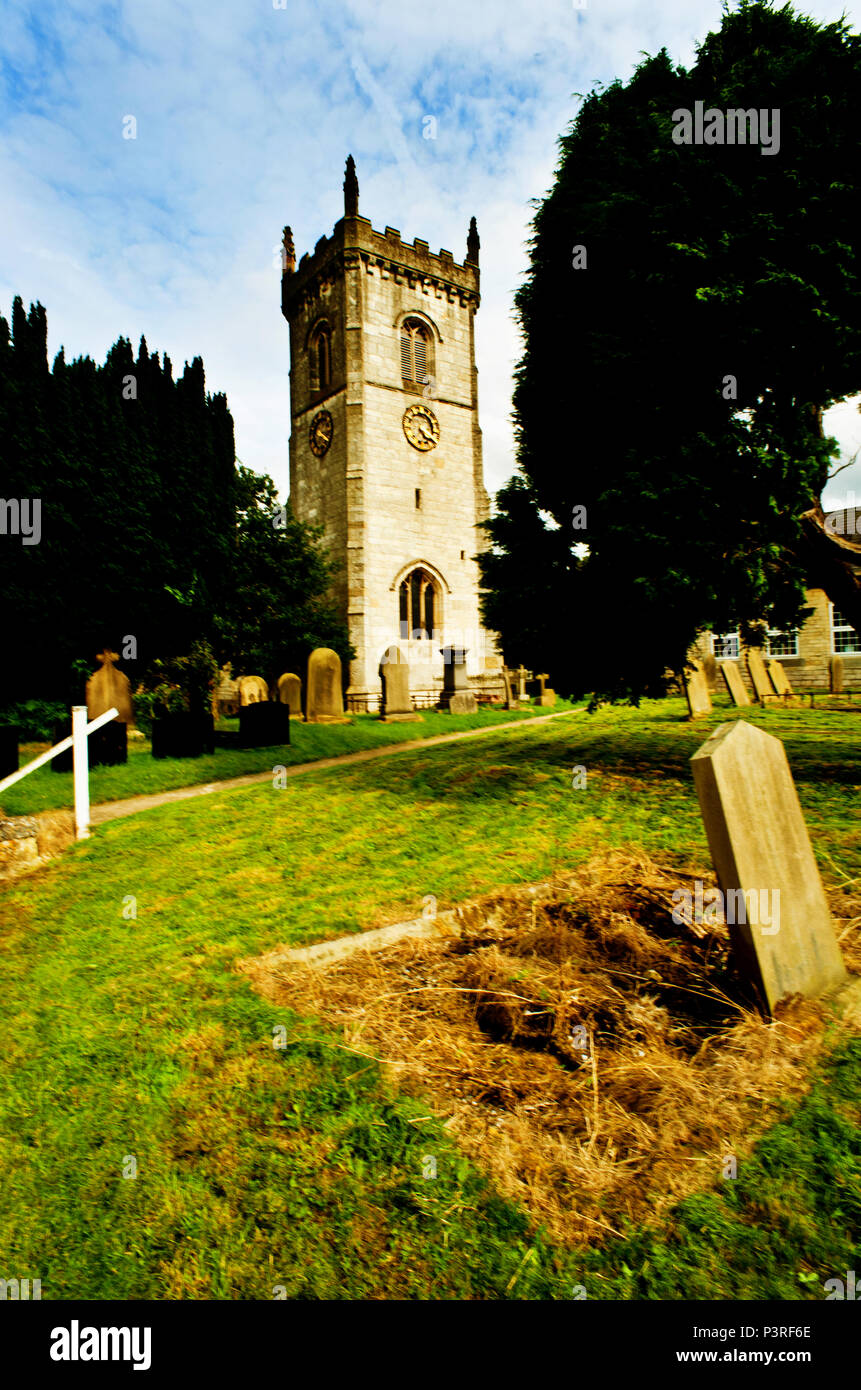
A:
[77,741]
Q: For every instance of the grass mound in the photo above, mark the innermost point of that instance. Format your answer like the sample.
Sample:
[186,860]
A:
[597,1060]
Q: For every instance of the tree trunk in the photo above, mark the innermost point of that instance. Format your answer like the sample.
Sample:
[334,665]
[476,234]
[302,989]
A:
[833,563]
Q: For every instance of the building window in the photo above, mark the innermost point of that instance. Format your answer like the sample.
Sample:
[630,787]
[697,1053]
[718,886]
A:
[726,645]
[779,643]
[321,359]
[844,637]
[416,353]
[417,606]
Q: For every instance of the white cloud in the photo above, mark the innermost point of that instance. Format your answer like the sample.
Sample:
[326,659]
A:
[245,116]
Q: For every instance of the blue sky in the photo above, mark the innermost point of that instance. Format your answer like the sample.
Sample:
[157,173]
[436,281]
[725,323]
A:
[245,115]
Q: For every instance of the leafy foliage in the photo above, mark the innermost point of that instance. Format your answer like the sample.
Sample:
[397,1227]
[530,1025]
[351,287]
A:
[704,263]
[148,529]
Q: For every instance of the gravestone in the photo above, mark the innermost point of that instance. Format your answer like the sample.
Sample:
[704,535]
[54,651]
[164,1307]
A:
[760,679]
[290,693]
[396,705]
[263,723]
[835,675]
[696,691]
[761,850]
[710,671]
[252,689]
[734,683]
[521,673]
[779,678]
[183,735]
[109,689]
[226,698]
[510,701]
[456,695]
[544,695]
[63,762]
[108,746]
[8,750]
[324,690]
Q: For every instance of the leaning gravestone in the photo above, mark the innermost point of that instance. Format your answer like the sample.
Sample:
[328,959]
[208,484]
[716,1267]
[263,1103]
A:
[252,689]
[456,695]
[324,690]
[735,684]
[779,678]
[835,675]
[396,705]
[775,905]
[696,691]
[760,679]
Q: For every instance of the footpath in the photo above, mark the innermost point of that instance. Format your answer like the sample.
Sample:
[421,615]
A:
[115,810]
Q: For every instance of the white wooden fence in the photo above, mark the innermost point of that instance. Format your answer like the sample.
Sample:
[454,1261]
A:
[77,741]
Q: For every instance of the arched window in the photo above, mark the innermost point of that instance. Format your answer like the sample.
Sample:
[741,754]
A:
[321,358]
[416,350]
[417,610]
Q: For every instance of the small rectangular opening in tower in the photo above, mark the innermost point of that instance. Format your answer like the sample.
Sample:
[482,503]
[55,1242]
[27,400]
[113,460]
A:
[418,496]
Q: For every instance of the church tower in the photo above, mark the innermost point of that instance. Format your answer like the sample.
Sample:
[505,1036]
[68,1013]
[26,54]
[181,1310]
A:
[385,446]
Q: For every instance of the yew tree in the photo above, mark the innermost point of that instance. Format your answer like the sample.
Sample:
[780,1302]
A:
[689,313]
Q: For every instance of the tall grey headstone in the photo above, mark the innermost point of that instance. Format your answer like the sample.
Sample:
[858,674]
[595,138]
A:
[835,675]
[764,863]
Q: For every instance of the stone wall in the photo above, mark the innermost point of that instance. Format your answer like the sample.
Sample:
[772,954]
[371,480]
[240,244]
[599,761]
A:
[28,842]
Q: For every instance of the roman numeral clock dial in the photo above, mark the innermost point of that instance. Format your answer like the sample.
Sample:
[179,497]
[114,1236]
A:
[320,433]
[421,427]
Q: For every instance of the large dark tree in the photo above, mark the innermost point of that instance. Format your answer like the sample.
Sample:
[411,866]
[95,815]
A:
[148,529]
[673,385]
[278,607]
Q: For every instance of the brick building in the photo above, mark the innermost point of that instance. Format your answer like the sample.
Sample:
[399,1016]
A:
[806,653]
[385,444]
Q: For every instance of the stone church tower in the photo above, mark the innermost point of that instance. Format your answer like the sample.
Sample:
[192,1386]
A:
[385,447]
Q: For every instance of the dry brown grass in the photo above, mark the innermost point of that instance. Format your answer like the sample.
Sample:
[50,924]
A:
[677,1070]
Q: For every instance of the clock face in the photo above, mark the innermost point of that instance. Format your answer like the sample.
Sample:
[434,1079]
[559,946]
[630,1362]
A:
[421,427]
[322,429]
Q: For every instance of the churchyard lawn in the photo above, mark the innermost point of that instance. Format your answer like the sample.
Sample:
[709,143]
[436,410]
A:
[132,1044]
[143,775]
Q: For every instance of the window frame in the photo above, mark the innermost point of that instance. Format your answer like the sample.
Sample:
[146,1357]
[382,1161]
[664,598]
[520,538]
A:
[725,637]
[776,633]
[410,329]
[845,628]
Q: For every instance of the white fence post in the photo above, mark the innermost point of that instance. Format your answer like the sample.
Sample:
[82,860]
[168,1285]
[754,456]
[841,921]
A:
[81,764]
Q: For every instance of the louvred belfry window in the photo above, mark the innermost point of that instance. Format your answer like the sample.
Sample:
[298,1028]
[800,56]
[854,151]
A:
[415,350]
[321,359]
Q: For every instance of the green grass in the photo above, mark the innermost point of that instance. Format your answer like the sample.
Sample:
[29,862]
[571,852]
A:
[142,775]
[299,1169]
